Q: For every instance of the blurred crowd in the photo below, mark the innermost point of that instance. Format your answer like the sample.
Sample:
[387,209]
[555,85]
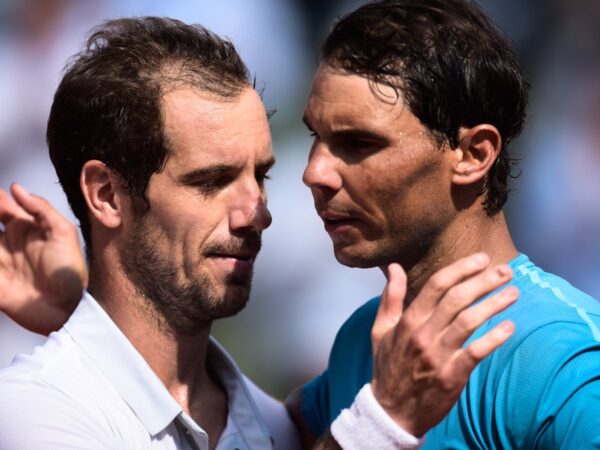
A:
[300,294]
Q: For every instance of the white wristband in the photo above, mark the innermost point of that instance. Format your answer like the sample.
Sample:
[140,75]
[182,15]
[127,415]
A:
[366,425]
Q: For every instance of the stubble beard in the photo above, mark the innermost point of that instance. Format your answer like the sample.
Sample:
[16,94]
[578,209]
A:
[176,307]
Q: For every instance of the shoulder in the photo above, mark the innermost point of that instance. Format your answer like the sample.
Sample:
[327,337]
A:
[50,400]
[553,355]
[555,323]
[549,306]
[359,324]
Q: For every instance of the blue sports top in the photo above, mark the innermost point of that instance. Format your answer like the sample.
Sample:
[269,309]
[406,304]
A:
[541,389]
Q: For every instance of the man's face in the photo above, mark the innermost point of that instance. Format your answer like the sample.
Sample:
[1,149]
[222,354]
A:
[192,253]
[380,183]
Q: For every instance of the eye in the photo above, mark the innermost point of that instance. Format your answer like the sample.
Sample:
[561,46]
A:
[261,178]
[358,144]
[211,185]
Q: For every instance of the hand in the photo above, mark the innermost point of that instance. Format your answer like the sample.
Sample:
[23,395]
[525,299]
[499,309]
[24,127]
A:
[420,365]
[42,269]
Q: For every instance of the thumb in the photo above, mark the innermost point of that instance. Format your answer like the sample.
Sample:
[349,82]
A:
[390,307]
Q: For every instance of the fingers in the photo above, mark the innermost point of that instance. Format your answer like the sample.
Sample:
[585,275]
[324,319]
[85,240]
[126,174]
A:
[469,357]
[390,307]
[461,296]
[43,212]
[473,317]
[439,283]
[9,210]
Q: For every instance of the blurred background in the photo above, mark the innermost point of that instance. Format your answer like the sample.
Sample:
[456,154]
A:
[301,295]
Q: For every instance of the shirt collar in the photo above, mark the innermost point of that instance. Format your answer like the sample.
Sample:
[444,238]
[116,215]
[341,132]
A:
[95,333]
[102,341]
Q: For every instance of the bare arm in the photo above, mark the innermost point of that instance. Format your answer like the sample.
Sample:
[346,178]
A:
[42,269]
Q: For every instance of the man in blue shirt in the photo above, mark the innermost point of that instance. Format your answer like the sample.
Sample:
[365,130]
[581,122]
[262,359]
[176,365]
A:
[411,119]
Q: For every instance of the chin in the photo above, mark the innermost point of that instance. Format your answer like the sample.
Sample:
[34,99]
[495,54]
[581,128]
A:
[355,259]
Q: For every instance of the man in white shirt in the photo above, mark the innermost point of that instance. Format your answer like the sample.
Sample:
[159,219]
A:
[162,147]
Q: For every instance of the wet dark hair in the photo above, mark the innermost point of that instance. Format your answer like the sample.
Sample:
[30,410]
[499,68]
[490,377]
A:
[452,65]
[107,106]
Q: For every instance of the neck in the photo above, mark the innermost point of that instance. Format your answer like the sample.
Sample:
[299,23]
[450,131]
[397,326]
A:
[179,362]
[469,233]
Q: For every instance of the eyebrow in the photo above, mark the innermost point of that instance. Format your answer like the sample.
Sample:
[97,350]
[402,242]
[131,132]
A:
[219,169]
[205,172]
[356,134]
[351,133]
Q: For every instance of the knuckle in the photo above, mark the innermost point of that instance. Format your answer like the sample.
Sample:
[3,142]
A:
[376,334]
[466,321]
[419,342]
[456,296]
[473,353]
[438,282]
[446,382]
[408,319]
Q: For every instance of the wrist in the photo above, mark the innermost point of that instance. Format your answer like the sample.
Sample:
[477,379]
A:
[366,425]
[403,412]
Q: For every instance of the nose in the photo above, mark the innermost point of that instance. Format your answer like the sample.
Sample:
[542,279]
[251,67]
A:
[321,171]
[250,209]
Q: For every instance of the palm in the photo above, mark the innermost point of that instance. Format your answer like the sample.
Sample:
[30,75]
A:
[42,271]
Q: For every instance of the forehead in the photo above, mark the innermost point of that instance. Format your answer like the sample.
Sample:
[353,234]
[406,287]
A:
[340,100]
[203,128]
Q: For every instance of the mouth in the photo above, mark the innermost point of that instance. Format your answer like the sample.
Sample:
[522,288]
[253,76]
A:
[234,262]
[335,221]
[234,256]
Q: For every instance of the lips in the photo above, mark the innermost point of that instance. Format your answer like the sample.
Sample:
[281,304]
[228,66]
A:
[240,256]
[336,220]
[235,254]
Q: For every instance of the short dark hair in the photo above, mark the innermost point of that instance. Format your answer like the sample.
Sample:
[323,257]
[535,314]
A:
[452,65]
[107,106]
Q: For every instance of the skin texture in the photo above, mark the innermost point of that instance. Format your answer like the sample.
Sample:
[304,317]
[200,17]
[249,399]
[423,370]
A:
[192,254]
[386,191]
[207,210]
[370,166]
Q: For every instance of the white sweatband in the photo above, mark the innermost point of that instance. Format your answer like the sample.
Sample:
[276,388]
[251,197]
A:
[366,425]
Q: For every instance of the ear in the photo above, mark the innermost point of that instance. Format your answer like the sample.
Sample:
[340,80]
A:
[102,194]
[477,151]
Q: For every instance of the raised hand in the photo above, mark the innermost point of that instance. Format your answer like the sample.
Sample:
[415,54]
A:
[42,269]
[420,365]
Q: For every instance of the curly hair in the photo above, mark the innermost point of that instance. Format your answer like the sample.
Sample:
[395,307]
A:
[452,65]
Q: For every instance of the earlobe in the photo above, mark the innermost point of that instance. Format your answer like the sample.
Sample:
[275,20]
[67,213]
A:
[477,151]
[100,189]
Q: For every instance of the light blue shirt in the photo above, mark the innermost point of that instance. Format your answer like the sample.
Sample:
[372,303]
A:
[541,389]
[87,387]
